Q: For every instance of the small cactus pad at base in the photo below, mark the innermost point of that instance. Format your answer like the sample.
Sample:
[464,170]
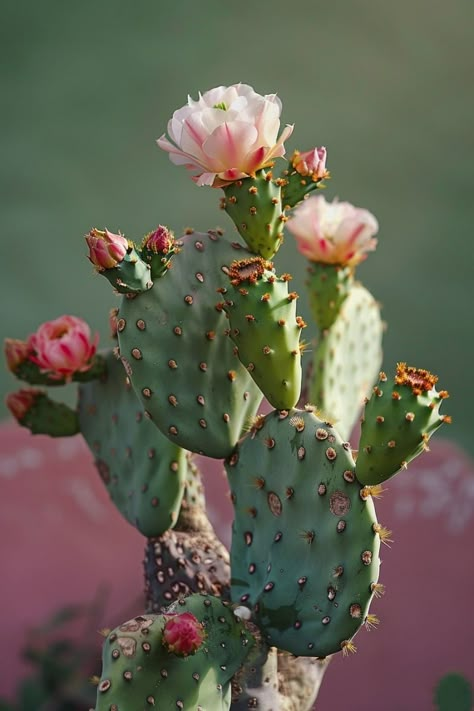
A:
[347,360]
[328,287]
[305,553]
[254,204]
[181,363]
[397,423]
[265,329]
[143,471]
[139,672]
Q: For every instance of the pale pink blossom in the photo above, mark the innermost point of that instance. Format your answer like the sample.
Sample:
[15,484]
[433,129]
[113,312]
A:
[227,134]
[16,353]
[333,232]
[106,249]
[183,634]
[21,402]
[63,347]
[311,163]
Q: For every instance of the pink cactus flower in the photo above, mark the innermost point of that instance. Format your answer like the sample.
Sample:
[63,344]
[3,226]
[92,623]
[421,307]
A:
[183,634]
[63,347]
[21,402]
[16,353]
[333,233]
[159,241]
[311,163]
[227,134]
[106,249]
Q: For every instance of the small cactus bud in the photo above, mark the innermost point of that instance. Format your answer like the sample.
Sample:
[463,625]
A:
[106,249]
[160,241]
[183,634]
[312,163]
[21,402]
[16,353]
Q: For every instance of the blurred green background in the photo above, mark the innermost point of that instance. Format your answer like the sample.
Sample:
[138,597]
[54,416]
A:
[88,86]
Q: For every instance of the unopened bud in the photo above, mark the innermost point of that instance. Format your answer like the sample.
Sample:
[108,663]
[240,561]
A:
[183,634]
[16,353]
[106,249]
[311,163]
[160,241]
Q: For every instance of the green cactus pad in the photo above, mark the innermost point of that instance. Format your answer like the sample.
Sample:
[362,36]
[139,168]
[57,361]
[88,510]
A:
[49,417]
[254,204]
[138,672]
[174,346]
[305,542]
[143,471]
[131,276]
[328,287]
[347,360]
[398,421]
[265,329]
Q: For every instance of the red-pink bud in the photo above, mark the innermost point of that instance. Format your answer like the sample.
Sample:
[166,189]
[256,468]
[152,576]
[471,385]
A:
[106,249]
[311,163]
[21,402]
[183,634]
[160,241]
[16,353]
[63,347]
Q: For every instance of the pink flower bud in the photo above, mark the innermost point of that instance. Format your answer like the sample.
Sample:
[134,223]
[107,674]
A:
[21,402]
[183,634]
[63,347]
[311,163]
[160,241]
[106,249]
[16,353]
[333,233]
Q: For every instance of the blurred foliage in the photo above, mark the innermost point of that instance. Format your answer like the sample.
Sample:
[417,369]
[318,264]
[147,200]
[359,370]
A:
[88,86]
[62,654]
[453,693]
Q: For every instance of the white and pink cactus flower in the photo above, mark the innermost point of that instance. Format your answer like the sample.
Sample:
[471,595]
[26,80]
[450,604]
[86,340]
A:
[333,232]
[106,249]
[227,134]
[183,634]
[63,347]
[311,163]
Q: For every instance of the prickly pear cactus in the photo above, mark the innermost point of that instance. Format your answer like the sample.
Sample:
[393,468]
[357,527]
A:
[265,329]
[192,386]
[254,204]
[398,421]
[305,541]
[139,672]
[347,360]
[143,471]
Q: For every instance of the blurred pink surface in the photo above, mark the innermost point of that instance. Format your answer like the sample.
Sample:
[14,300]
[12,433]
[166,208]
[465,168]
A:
[62,540]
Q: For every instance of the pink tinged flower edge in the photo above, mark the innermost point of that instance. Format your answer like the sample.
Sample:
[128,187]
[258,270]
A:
[63,347]
[333,233]
[183,634]
[227,134]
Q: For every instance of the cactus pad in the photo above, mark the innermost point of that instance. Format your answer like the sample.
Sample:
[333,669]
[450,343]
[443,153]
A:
[305,544]
[347,360]
[138,672]
[174,346]
[398,421]
[254,204]
[143,471]
[265,329]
